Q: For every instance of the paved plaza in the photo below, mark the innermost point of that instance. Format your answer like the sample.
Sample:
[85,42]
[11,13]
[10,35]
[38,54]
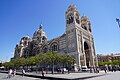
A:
[3,76]
[108,76]
[71,76]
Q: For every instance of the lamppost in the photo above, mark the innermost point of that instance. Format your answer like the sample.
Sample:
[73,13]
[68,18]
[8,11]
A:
[52,62]
[65,58]
[118,20]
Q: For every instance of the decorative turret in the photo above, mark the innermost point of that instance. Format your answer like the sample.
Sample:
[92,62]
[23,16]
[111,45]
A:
[72,15]
[72,7]
[85,23]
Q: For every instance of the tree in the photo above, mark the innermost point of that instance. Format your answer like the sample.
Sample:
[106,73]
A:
[61,59]
[19,62]
[42,59]
[8,65]
[31,60]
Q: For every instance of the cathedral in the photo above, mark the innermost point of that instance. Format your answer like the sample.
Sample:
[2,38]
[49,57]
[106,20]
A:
[76,41]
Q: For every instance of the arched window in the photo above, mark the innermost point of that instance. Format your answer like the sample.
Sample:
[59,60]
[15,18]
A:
[89,27]
[31,45]
[84,27]
[45,49]
[38,51]
[54,47]
[77,20]
[71,19]
[44,39]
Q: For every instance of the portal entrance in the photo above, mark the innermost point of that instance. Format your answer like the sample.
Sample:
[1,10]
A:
[87,54]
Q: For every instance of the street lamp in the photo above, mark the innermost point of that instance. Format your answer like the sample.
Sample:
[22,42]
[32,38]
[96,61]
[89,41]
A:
[118,20]
[52,62]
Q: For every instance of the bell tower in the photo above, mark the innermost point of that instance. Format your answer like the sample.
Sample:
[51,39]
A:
[72,17]
[79,39]
[72,24]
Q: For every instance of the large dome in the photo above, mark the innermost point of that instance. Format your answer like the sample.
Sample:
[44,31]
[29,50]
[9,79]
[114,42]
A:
[39,35]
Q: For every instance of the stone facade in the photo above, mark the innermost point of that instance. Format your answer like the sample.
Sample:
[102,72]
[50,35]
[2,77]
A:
[77,41]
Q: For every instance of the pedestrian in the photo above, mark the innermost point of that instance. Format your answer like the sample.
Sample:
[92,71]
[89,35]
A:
[43,72]
[97,69]
[10,73]
[68,70]
[105,69]
[23,72]
[90,69]
[14,72]
[63,71]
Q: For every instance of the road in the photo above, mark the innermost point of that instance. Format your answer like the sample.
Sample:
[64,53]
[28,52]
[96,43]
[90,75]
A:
[3,76]
[108,76]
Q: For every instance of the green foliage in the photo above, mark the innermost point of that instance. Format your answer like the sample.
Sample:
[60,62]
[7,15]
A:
[58,58]
[42,59]
[18,62]
[8,64]
[115,62]
[31,60]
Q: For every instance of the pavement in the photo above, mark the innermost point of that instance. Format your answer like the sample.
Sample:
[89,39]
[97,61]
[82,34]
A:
[108,76]
[4,76]
[66,76]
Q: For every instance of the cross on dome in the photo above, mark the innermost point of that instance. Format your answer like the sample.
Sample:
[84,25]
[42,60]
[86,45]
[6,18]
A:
[40,26]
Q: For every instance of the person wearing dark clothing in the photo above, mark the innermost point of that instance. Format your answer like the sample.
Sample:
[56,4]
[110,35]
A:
[105,69]
[43,72]
[68,70]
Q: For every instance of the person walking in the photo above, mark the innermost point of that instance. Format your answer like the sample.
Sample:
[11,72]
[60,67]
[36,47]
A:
[14,72]
[43,72]
[10,73]
[105,69]
[23,72]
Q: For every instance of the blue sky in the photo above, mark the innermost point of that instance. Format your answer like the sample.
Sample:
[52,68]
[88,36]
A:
[21,17]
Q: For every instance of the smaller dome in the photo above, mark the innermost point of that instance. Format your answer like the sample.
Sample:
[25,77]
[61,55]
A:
[27,36]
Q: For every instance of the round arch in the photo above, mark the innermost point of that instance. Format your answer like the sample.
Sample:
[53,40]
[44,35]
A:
[45,49]
[54,46]
[87,53]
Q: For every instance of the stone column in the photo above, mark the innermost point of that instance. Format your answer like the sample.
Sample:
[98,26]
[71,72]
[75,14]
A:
[83,49]
[79,64]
